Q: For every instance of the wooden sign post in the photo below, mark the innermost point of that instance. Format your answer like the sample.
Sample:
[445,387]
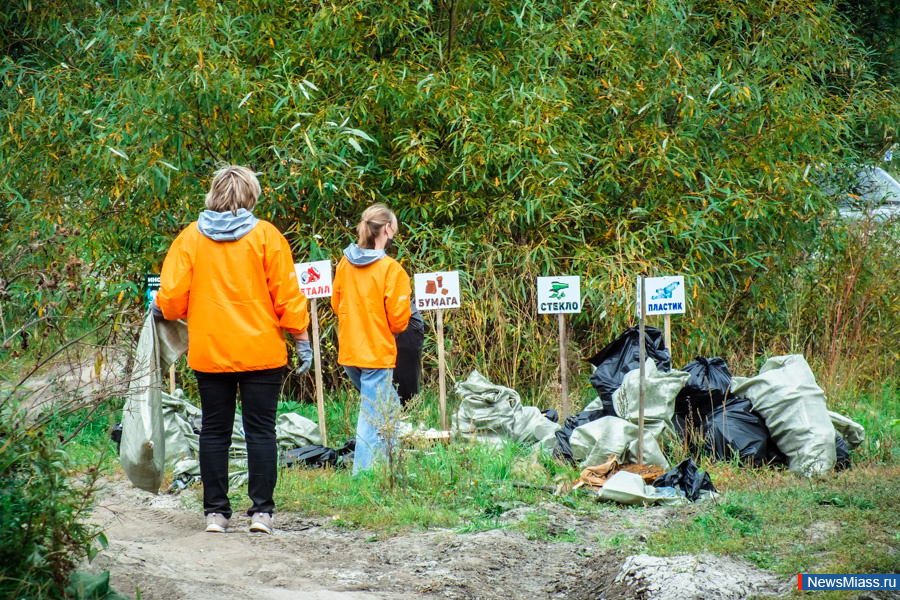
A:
[666,297]
[442,377]
[643,354]
[439,291]
[560,296]
[315,282]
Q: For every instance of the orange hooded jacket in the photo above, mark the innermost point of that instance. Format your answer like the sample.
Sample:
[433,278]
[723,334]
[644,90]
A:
[371,300]
[237,297]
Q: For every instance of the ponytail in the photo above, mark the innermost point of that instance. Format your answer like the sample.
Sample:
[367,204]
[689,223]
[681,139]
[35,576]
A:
[372,223]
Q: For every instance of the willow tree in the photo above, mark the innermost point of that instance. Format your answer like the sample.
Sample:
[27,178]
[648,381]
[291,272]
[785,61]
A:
[514,138]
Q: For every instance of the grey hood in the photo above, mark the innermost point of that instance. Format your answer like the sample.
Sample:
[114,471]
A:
[360,257]
[224,226]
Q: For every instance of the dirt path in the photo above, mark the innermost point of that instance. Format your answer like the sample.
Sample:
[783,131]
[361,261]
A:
[158,545]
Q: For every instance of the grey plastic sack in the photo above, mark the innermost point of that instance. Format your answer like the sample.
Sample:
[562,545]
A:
[494,412]
[787,396]
[143,449]
[295,431]
[660,391]
[485,407]
[593,443]
[853,433]
[181,440]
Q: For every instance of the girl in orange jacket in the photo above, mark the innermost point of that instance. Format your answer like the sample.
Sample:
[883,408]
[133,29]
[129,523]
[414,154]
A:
[371,300]
[232,277]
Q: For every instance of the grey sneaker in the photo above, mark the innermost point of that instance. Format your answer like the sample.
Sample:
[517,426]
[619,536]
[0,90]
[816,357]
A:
[262,523]
[217,523]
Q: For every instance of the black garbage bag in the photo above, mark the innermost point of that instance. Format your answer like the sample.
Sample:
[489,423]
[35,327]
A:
[116,436]
[843,454]
[408,371]
[733,429]
[624,355]
[313,457]
[551,415]
[707,388]
[688,478]
[563,449]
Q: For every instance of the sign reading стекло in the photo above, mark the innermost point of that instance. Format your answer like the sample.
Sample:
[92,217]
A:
[437,290]
[665,295]
[314,278]
[559,294]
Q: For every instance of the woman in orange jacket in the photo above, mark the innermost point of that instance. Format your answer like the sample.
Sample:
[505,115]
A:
[232,277]
[371,300]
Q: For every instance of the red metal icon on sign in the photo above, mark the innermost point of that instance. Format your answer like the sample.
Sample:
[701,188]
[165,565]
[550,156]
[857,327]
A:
[311,275]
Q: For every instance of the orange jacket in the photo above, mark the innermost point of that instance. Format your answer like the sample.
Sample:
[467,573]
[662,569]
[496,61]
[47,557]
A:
[237,297]
[372,304]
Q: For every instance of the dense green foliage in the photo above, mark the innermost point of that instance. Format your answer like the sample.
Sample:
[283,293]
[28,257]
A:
[42,509]
[515,139]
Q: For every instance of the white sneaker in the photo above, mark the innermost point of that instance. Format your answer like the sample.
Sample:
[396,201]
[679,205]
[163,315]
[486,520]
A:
[217,523]
[262,523]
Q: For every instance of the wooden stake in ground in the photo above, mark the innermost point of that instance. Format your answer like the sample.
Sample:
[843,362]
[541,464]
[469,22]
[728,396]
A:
[667,331]
[317,360]
[563,368]
[643,355]
[442,380]
[172,379]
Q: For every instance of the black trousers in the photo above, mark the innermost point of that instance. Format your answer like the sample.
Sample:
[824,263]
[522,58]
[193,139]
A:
[259,399]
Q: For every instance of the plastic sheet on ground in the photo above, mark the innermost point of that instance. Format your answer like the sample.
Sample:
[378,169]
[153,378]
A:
[593,443]
[623,355]
[787,396]
[630,489]
[493,412]
[660,390]
[708,386]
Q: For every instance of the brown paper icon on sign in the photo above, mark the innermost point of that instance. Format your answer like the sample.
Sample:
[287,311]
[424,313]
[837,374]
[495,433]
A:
[445,291]
[440,281]
[430,287]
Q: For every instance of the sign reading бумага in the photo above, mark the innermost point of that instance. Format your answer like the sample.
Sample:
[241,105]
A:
[557,295]
[665,295]
[437,290]
[314,278]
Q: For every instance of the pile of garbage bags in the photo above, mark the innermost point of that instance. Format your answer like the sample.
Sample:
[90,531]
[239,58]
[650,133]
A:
[777,417]
[493,413]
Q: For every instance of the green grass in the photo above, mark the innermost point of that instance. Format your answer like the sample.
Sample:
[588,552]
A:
[842,523]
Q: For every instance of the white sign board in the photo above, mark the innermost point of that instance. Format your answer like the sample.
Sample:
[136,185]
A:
[665,295]
[559,294]
[437,290]
[314,278]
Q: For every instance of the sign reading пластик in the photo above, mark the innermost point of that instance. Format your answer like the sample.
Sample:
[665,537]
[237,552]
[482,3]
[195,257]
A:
[665,295]
[559,294]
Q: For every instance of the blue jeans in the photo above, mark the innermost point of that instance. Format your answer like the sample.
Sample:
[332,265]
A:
[379,406]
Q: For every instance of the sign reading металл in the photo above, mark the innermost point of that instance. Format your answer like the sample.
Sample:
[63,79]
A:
[557,295]
[437,290]
[665,295]
[315,278]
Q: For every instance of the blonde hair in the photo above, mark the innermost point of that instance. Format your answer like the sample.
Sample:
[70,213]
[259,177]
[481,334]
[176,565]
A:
[233,188]
[372,223]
